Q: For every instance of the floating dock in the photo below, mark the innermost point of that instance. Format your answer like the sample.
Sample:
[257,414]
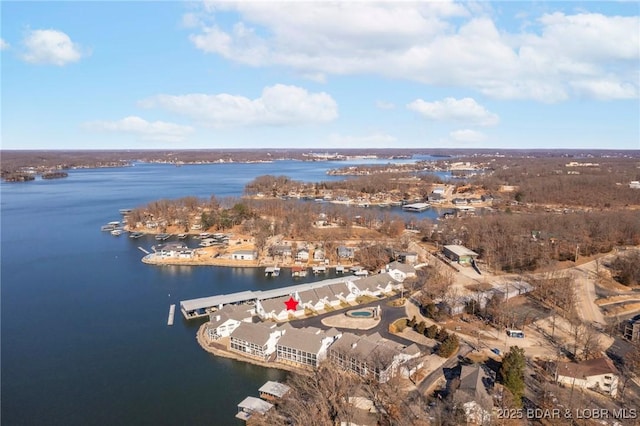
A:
[172,312]
[416,207]
[143,250]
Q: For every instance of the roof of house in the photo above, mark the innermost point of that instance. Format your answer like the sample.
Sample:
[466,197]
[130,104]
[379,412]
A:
[257,333]
[241,252]
[251,403]
[339,288]
[324,292]
[460,250]
[402,267]
[373,282]
[308,296]
[229,312]
[276,304]
[584,369]
[373,348]
[302,340]
[472,385]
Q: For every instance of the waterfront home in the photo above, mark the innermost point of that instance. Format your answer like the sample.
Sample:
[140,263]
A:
[472,395]
[256,340]
[251,406]
[371,356]
[305,346]
[225,320]
[435,198]
[318,255]
[345,252]
[275,309]
[244,255]
[400,271]
[598,374]
[374,286]
[309,300]
[177,250]
[302,255]
[343,293]
[280,250]
[273,390]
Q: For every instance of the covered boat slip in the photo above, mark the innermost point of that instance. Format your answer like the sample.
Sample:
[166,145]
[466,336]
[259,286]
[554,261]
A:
[196,308]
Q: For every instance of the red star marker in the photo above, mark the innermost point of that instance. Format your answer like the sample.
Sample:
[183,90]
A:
[292,304]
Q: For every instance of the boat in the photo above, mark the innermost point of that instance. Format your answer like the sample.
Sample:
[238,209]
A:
[114,223]
[116,232]
[106,228]
[163,236]
[136,234]
[125,211]
[182,236]
[204,235]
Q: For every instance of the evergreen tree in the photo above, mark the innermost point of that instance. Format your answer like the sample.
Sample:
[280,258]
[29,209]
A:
[512,373]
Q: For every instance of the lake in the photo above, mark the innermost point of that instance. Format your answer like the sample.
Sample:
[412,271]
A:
[84,334]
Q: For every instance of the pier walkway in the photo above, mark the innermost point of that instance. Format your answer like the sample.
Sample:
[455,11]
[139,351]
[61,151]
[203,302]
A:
[195,308]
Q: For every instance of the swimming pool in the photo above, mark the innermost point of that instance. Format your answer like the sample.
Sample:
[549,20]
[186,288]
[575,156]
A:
[361,314]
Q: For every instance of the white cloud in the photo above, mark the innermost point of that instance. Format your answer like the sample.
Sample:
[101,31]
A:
[467,136]
[3,44]
[438,43]
[278,105]
[372,140]
[451,109]
[153,131]
[50,47]
[385,105]
[605,89]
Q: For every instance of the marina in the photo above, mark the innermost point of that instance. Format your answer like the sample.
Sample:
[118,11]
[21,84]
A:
[163,237]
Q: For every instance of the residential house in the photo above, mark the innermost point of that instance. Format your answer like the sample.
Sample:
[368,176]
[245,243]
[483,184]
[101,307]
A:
[318,255]
[345,253]
[244,255]
[223,321]
[256,340]
[302,255]
[371,356]
[460,254]
[472,395]
[598,374]
[342,293]
[409,257]
[459,201]
[275,309]
[631,329]
[305,346]
[439,190]
[373,286]
[435,198]
[487,198]
[400,271]
[178,250]
[281,250]
[316,299]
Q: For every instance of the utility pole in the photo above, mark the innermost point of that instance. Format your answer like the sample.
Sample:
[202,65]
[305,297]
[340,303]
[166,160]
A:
[576,258]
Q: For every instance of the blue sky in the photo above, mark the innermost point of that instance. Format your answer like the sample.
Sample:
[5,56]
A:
[431,74]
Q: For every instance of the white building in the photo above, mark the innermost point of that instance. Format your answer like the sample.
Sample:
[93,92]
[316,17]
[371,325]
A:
[305,346]
[244,255]
[400,271]
[275,309]
[256,340]
[223,321]
[598,374]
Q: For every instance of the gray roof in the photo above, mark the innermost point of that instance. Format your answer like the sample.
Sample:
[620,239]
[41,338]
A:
[324,292]
[308,296]
[372,282]
[277,304]
[337,289]
[302,340]
[251,403]
[472,386]
[274,388]
[222,299]
[407,269]
[460,250]
[373,348]
[248,252]
[257,333]
[235,312]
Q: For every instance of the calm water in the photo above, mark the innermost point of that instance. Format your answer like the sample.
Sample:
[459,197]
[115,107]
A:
[84,334]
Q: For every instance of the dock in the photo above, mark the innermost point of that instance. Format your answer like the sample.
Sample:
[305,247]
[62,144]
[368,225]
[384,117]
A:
[416,207]
[172,312]
[143,250]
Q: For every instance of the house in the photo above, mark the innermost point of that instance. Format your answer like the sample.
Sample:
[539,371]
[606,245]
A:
[373,286]
[460,254]
[487,198]
[459,202]
[438,190]
[342,293]
[223,321]
[473,396]
[598,374]
[345,252]
[244,255]
[409,257]
[275,309]
[178,250]
[634,184]
[474,200]
[302,255]
[400,271]
[436,198]
[316,299]
[281,250]
[256,340]
[631,329]
[252,405]
[273,390]
[371,356]
[318,255]
[305,346]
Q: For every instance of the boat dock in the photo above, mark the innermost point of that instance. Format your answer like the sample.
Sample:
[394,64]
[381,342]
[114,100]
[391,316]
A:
[196,308]
[172,311]
[143,250]
[416,207]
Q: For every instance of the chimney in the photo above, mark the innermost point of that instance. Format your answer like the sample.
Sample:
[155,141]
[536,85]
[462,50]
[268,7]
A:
[353,345]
